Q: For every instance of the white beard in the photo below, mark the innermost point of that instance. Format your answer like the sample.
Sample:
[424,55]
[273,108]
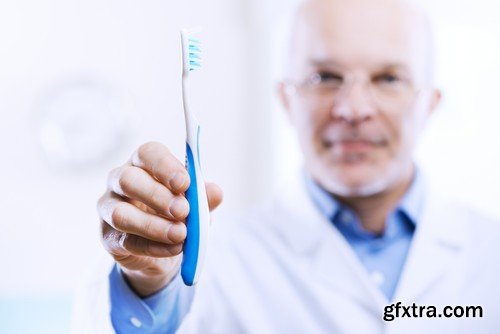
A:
[379,184]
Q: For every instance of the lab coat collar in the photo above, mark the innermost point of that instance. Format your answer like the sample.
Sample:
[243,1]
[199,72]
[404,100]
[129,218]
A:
[435,249]
[438,238]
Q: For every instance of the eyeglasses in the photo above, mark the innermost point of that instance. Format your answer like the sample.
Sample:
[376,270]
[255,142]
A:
[389,92]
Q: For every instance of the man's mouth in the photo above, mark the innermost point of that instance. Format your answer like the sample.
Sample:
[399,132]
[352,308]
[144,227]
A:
[352,146]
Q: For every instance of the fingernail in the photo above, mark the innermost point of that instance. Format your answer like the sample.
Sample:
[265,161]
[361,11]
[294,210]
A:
[178,181]
[177,232]
[178,207]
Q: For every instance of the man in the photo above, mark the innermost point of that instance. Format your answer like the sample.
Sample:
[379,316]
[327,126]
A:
[357,231]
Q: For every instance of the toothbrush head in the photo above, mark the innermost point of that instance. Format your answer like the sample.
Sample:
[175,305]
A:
[191,52]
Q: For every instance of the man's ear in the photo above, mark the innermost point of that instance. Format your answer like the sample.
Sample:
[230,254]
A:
[284,97]
[435,99]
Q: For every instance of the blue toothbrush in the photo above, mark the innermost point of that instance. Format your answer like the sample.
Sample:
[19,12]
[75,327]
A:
[198,220]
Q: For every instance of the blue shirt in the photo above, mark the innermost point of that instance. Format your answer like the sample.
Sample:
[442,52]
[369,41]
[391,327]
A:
[383,256]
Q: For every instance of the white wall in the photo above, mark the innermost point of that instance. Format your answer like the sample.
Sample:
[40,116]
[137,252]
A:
[460,149]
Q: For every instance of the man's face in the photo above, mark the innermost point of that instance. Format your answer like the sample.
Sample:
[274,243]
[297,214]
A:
[358,92]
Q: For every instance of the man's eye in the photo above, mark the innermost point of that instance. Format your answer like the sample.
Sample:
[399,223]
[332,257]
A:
[324,78]
[329,77]
[387,78]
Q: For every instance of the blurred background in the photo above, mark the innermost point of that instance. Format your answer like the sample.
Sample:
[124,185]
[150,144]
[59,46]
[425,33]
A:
[83,83]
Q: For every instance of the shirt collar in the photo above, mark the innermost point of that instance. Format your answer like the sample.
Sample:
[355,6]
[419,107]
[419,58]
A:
[410,204]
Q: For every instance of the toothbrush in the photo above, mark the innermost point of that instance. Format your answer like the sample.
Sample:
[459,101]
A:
[198,219]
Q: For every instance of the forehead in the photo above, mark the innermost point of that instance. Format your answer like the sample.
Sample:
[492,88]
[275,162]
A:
[357,33]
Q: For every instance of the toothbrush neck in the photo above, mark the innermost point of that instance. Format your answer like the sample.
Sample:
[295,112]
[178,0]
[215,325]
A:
[189,116]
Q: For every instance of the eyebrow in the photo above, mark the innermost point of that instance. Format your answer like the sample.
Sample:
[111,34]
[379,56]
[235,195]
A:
[333,63]
[324,62]
[395,66]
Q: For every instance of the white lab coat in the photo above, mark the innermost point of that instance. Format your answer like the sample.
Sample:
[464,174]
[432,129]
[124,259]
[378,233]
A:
[284,268]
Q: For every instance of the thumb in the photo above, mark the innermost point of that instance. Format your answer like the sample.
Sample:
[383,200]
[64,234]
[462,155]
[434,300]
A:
[214,195]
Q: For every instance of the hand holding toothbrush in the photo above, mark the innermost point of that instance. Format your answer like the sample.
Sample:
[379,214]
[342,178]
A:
[142,216]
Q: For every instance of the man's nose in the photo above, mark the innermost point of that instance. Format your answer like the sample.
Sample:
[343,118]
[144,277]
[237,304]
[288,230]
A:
[355,105]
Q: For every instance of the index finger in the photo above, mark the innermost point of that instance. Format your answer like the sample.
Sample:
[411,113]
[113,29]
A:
[157,160]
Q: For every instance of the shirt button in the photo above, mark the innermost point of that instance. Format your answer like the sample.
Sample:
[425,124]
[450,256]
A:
[136,322]
[378,278]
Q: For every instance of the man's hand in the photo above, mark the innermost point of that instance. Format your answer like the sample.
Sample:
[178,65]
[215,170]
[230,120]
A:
[142,216]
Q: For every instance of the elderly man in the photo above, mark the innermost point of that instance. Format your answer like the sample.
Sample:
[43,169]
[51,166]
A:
[358,244]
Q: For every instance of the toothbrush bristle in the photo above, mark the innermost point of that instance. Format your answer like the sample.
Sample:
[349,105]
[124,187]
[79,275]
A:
[194,53]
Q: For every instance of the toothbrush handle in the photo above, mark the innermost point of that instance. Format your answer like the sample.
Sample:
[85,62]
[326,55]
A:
[198,219]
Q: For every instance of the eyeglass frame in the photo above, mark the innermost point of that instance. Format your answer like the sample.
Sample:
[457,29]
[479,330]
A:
[347,85]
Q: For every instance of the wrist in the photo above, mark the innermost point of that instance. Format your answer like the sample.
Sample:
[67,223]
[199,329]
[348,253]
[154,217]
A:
[146,284]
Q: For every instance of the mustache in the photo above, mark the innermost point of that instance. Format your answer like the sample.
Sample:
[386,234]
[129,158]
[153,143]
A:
[339,136]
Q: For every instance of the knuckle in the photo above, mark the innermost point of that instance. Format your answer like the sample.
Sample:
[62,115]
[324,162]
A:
[127,179]
[112,179]
[119,216]
[145,149]
[157,195]
[148,226]
[163,163]
[112,173]
[100,201]
[104,207]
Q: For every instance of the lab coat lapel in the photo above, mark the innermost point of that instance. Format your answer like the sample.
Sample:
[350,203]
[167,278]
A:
[331,258]
[438,240]
[337,264]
